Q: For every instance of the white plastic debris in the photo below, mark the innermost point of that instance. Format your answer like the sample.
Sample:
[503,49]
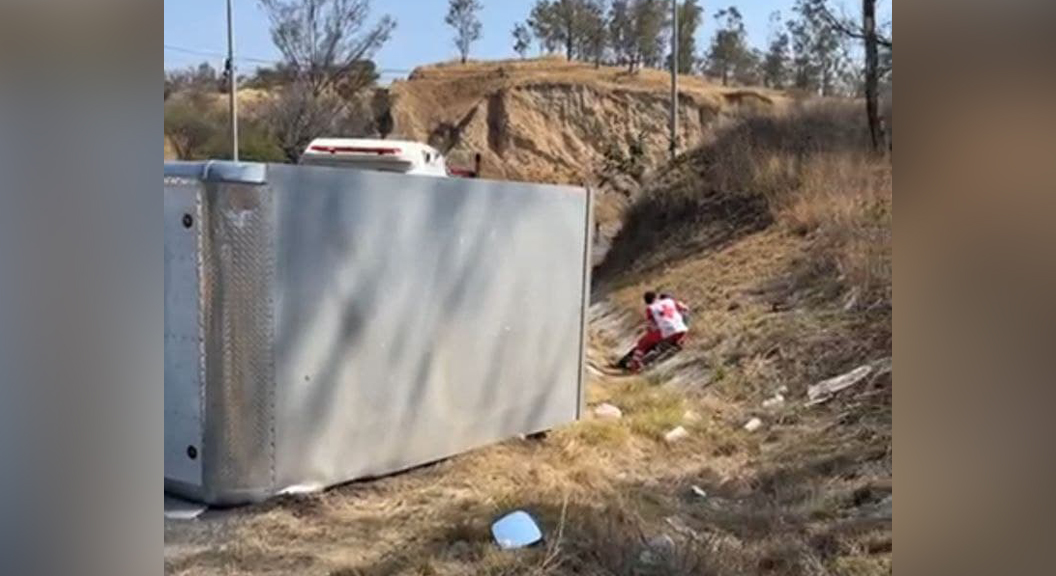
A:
[831,386]
[607,411]
[676,434]
[298,489]
[852,301]
[179,509]
[698,491]
[753,425]
[679,526]
[657,549]
[774,402]
[516,530]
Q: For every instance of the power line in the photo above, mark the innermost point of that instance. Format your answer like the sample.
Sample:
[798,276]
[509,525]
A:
[220,55]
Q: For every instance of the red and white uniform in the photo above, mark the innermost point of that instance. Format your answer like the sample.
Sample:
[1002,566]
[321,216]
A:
[665,320]
[666,315]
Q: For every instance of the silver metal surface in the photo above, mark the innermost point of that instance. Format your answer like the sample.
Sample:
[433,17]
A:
[218,171]
[588,265]
[238,281]
[359,323]
[184,374]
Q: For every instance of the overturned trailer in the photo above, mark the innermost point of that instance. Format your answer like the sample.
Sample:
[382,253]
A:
[326,324]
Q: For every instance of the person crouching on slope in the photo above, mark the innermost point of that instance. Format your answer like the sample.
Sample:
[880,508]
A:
[664,324]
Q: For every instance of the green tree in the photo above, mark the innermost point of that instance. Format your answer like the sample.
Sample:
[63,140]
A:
[819,56]
[543,22]
[560,23]
[876,46]
[462,16]
[776,62]
[650,19]
[189,127]
[197,130]
[689,16]
[522,39]
[749,69]
[621,32]
[729,52]
[593,30]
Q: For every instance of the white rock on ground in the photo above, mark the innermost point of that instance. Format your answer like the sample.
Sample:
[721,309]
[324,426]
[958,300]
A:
[774,402]
[676,434]
[679,526]
[698,491]
[753,425]
[831,386]
[657,548]
[607,411]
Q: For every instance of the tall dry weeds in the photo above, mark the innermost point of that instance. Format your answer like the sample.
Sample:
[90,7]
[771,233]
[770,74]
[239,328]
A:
[845,201]
[807,166]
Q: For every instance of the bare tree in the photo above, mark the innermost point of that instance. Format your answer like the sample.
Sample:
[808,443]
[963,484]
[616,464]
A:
[296,117]
[462,16]
[872,41]
[326,47]
[324,42]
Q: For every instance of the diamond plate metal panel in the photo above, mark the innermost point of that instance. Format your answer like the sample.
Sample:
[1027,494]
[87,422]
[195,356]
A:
[239,270]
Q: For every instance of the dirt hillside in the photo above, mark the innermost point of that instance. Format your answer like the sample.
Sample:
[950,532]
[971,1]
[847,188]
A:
[550,120]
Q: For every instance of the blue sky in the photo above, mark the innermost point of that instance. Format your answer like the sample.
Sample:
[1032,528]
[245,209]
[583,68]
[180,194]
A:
[421,37]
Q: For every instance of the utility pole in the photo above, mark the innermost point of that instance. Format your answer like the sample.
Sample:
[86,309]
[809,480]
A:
[674,78]
[232,85]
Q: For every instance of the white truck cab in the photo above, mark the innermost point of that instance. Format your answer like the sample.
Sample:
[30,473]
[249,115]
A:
[403,156]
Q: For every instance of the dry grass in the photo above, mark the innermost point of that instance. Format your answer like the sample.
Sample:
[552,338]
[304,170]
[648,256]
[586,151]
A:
[492,75]
[735,184]
[845,203]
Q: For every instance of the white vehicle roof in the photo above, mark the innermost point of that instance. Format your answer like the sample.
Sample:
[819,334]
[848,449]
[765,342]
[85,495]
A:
[371,153]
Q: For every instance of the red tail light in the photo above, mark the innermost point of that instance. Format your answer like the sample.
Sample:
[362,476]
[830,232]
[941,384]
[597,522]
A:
[355,150]
[461,172]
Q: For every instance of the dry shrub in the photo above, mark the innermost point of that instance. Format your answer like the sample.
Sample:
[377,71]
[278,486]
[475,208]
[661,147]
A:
[736,184]
[845,201]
